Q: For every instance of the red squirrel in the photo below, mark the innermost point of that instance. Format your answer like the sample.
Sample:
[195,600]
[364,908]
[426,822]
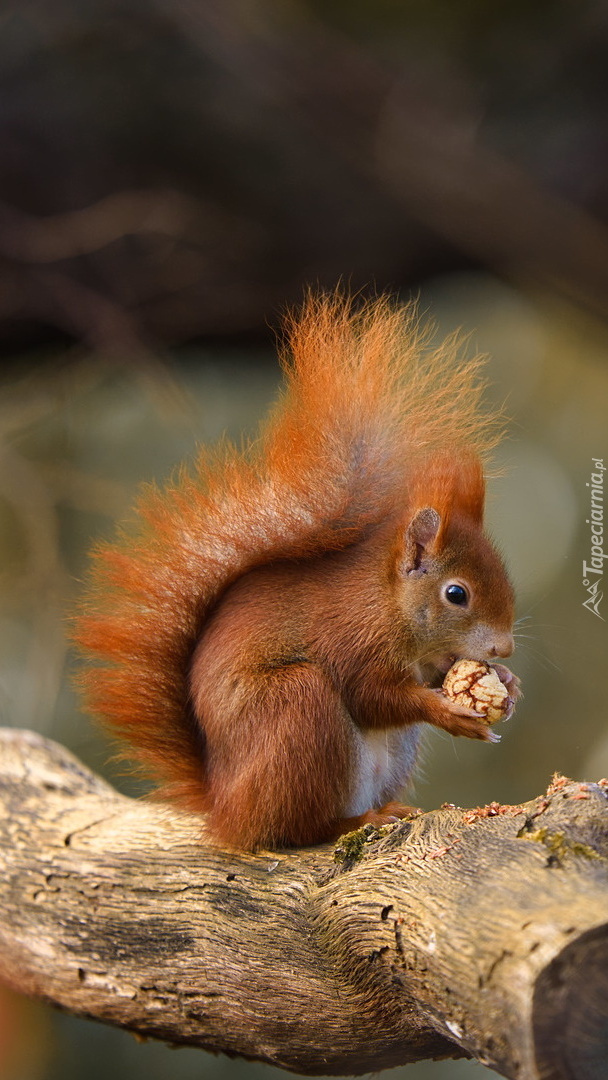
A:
[274,630]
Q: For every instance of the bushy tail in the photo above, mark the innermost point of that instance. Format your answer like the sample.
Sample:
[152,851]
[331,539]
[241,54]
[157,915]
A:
[365,404]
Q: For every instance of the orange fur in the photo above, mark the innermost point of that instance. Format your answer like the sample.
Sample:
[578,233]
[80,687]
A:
[372,425]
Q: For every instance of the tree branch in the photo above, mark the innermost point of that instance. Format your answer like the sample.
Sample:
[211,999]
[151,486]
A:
[479,933]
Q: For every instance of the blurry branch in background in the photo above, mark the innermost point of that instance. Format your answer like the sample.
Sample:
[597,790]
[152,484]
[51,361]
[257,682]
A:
[271,149]
[88,313]
[478,933]
[81,232]
[489,208]
[418,140]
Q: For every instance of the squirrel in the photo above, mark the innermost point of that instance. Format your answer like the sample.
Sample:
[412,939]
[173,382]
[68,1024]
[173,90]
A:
[272,633]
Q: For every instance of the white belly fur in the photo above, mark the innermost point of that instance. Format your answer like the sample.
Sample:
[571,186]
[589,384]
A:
[386,760]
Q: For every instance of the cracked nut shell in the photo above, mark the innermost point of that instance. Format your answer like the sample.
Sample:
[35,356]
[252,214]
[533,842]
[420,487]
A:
[475,685]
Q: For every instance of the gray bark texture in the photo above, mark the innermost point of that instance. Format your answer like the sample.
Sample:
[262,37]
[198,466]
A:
[480,933]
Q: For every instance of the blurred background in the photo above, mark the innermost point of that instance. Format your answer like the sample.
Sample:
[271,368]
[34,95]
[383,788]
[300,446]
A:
[173,173]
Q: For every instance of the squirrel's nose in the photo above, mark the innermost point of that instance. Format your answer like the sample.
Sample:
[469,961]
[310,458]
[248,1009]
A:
[502,645]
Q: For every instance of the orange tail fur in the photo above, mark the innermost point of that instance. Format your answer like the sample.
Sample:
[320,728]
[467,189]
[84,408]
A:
[365,409]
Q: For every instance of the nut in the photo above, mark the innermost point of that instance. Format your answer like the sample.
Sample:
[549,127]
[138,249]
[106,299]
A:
[475,685]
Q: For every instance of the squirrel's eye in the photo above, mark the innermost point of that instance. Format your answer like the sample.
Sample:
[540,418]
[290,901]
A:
[456,594]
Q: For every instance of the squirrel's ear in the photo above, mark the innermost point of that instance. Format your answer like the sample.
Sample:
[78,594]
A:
[420,538]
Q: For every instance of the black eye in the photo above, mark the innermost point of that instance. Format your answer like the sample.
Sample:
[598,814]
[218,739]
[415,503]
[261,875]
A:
[456,594]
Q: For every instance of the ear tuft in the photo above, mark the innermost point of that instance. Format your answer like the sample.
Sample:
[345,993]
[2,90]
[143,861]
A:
[420,537]
[453,483]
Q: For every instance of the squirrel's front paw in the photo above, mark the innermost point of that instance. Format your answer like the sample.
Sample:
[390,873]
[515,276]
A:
[458,720]
[513,685]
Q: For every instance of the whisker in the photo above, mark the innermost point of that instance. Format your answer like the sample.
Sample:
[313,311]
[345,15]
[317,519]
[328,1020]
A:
[541,658]
[521,620]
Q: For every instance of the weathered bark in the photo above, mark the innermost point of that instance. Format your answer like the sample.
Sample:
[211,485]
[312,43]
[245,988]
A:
[480,932]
